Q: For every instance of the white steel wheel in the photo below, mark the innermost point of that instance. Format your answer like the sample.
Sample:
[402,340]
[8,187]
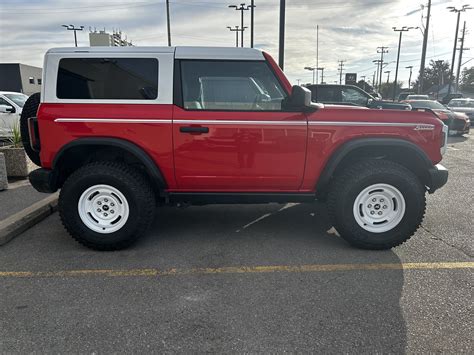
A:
[103,209]
[379,208]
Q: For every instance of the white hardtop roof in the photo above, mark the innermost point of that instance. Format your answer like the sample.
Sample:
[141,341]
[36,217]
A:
[11,92]
[180,52]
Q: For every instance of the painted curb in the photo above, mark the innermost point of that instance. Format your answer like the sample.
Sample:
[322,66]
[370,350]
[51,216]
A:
[21,221]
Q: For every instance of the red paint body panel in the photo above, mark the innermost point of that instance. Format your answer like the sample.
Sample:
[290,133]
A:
[240,157]
[153,138]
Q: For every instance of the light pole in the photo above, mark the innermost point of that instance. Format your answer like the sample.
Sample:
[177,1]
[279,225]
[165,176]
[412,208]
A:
[376,81]
[458,11]
[281,41]
[400,30]
[439,64]
[298,81]
[236,30]
[168,21]
[241,8]
[322,74]
[313,69]
[72,28]
[251,7]
[382,50]
[423,51]
[409,78]
[388,75]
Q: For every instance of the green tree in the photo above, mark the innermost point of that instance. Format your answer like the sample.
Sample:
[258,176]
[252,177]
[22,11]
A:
[436,74]
[386,90]
[467,80]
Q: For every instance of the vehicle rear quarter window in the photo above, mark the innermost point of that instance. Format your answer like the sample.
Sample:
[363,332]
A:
[108,79]
[230,85]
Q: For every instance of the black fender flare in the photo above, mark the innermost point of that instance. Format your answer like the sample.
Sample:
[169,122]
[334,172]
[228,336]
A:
[356,143]
[142,156]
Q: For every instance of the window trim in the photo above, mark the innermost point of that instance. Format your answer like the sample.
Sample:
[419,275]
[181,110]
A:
[178,95]
[109,99]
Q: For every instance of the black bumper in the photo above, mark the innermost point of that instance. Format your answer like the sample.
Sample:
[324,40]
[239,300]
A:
[43,180]
[438,176]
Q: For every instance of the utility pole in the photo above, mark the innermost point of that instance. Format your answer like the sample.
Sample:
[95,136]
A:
[376,79]
[458,11]
[168,21]
[400,30]
[423,52]
[241,8]
[72,28]
[382,50]
[341,67]
[460,55]
[388,75]
[439,64]
[373,81]
[322,74]
[317,51]
[409,78]
[252,7]
[281,47]
[236,30]
[298,81]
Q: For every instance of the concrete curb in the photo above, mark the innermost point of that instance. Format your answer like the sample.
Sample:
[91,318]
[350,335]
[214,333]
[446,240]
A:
[21,221]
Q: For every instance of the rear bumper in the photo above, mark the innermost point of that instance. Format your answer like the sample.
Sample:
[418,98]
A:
[438,176]
[43,180]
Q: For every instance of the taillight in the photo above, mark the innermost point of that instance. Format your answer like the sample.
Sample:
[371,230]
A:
[444,139]
[34,133]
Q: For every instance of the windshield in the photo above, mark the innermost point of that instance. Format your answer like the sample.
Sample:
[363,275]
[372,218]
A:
[461,103]
[18,99]
[434,105]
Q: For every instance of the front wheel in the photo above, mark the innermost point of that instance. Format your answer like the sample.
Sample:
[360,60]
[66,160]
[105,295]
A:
[376,204]
[106,205]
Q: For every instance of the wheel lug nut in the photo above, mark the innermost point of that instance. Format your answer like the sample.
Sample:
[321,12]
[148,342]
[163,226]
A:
[112,204]
[369,205]
[380,213]
[112,211]
[384,207]
[105,214]
[99,210]
[99,203]
[381,200]
[372,212]
[374,200]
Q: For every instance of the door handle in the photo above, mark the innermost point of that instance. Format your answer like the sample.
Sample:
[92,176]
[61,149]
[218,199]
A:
[194,129]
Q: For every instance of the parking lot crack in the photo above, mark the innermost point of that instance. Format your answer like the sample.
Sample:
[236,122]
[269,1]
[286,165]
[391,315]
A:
[435,237]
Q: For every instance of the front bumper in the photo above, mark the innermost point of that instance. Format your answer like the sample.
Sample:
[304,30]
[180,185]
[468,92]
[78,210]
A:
[438,176]
[43,180]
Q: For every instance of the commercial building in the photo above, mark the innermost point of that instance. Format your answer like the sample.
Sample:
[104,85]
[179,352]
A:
[20,78]
[102,38]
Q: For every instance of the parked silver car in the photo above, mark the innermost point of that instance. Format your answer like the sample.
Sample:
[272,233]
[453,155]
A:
[463,105]
[11,105]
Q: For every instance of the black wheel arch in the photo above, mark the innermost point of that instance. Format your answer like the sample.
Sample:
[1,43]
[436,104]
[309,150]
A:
[398,150]
[84,150]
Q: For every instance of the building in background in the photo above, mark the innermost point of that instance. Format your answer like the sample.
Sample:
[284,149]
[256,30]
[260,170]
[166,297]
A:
[102,38]
[19,77]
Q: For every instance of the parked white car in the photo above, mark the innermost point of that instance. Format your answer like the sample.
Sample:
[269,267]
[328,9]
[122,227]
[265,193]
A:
[11,105]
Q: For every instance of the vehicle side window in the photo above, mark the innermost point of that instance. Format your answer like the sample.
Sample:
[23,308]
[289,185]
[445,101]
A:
[4,102]
[108,78]
[230,85]
[328,94]
[353,96]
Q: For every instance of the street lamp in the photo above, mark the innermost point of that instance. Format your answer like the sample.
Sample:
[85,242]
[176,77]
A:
[72,28]
[388,76]
[241,8]
[313,69]
[322,74]
[458,11]
[400,30]
[236,30]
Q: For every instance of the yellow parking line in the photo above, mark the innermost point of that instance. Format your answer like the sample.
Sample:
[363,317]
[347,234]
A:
[238,270]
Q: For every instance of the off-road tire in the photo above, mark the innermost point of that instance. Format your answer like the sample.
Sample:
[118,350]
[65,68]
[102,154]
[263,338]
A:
[353,180]
[133,185]
[29,110]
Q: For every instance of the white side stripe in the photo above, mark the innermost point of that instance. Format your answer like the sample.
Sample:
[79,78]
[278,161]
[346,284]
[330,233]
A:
[235,122]
[111,120]
[370,124]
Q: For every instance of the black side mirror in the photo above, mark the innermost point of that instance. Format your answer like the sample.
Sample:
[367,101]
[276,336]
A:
[300,98]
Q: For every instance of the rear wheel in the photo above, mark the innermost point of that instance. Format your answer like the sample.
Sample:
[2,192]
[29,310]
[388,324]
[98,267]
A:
[30,109]
[106,205]
[376,204]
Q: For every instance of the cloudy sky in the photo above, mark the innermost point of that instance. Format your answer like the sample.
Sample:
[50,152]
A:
[349,30]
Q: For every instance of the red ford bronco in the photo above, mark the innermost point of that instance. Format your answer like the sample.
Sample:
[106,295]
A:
[121,130]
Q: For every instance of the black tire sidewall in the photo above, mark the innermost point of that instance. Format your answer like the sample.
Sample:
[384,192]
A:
[69,199]
[30,109]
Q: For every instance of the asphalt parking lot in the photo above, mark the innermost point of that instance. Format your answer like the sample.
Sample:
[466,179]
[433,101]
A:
[257,278]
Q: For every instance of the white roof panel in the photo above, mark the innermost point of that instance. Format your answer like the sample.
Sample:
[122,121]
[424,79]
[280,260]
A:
[218,53]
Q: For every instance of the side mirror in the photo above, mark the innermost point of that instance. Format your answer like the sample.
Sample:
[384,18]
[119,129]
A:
[7,109]
[300,98]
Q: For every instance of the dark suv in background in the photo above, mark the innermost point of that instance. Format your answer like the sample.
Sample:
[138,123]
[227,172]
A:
[351,95]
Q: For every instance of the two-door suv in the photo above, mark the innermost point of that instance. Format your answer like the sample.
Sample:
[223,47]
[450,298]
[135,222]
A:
[122,130]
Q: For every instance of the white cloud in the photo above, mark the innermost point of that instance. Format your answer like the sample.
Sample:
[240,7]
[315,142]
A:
[350,30]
